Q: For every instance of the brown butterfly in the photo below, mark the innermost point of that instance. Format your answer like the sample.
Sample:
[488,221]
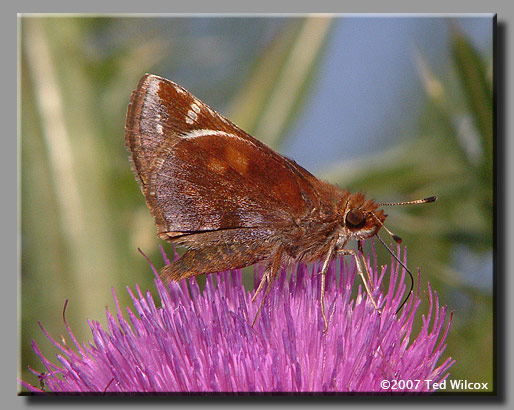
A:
[231,200]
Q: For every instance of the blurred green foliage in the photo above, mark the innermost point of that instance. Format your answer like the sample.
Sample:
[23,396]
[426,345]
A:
[83,216]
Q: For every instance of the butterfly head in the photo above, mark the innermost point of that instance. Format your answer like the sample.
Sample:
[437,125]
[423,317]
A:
[360,217]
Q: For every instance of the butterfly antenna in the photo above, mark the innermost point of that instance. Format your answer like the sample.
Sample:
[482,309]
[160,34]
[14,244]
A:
[415,202]
[396,238]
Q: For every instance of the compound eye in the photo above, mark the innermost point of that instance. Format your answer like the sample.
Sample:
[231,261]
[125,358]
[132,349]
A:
[355,219]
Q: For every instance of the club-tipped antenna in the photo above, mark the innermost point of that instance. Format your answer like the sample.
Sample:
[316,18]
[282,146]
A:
[396,238]
[404,267]
[415,202]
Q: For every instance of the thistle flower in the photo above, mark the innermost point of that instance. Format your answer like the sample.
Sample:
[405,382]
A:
[203,341]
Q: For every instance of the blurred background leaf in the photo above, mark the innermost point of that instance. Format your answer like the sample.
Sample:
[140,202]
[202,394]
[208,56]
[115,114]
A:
[83,216]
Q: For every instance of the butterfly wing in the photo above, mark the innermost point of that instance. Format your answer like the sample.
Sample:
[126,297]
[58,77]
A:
[199,172]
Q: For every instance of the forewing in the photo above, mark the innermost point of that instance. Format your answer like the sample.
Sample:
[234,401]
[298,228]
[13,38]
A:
[161,111]
[200,172]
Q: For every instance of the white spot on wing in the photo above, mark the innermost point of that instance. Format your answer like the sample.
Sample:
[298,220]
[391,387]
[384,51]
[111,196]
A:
[192,114]
[203,132]
[195,107]
[191,117]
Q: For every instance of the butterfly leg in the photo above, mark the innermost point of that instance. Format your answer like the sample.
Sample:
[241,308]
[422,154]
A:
[361,250]
[265,278]
[323,274]
[359,269]
[269,276]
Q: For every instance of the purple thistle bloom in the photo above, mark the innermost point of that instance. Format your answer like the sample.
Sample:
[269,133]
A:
[203,341]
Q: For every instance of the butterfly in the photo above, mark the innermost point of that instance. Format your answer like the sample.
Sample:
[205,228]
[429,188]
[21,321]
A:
[231,200]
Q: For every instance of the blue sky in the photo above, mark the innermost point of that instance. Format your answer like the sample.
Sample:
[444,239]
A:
[367,93]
